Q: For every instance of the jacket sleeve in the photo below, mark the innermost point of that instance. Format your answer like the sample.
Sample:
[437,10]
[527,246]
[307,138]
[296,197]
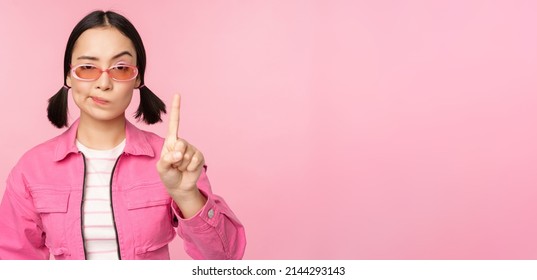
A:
[214,232]
[21,234]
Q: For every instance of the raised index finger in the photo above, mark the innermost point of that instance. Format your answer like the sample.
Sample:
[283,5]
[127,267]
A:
[173,127]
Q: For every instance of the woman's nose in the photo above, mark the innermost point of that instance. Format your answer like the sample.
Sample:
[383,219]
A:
[104,82]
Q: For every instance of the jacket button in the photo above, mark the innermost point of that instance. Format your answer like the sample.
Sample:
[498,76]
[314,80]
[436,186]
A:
[210,213]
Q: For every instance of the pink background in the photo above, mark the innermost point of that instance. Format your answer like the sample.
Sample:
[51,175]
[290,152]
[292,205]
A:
[334,129]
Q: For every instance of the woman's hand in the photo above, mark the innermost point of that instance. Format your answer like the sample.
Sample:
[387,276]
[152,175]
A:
[180,166]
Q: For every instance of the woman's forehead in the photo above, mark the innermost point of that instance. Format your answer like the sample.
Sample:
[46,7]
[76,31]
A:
[103,43]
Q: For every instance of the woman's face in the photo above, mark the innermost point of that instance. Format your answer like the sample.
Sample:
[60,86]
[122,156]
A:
[103,99]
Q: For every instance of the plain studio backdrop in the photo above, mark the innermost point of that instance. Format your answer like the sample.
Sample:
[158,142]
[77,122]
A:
[333,129]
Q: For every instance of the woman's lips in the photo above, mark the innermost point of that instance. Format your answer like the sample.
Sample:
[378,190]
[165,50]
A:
[98,100]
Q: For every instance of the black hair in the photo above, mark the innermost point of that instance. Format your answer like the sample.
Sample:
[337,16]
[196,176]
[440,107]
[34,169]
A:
[150,107]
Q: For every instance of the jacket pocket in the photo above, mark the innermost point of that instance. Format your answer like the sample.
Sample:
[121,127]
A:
[51,201]
[149,209]
[143,197]
[52,206]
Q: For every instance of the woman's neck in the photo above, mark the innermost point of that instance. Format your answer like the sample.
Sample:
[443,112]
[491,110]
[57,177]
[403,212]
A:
[101,135]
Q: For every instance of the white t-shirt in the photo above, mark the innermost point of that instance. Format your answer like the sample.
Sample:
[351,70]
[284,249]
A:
[98,223]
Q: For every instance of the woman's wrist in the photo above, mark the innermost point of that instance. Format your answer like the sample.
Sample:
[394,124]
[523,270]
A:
[189,202]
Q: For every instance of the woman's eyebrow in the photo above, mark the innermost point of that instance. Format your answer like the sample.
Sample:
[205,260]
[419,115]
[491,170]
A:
[96,59]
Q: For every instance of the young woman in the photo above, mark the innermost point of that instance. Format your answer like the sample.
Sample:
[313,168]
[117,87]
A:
[105,189]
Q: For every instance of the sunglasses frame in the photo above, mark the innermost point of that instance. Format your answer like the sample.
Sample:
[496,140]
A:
[73,72]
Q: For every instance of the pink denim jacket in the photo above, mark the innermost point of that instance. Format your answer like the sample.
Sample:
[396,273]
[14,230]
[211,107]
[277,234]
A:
[40,213]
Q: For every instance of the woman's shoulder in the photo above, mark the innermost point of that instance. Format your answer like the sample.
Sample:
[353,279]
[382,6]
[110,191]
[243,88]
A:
[154,139]
[151,136]
[37,157]
[143,141]
[42,150]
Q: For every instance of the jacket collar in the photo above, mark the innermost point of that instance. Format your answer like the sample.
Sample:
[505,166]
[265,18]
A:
[136,143]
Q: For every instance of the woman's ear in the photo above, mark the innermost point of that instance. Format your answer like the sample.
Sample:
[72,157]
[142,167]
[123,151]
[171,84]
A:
[68,81]
[137,84]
